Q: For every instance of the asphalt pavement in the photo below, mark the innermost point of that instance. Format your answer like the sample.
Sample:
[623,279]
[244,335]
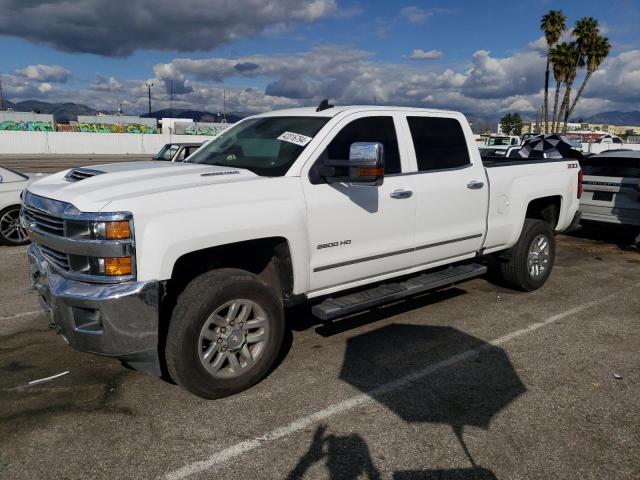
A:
[473,382]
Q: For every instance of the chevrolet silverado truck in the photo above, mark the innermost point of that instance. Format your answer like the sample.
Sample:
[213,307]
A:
[185,269]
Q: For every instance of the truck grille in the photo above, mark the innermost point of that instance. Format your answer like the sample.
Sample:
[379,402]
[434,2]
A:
[44,221]
[59,259]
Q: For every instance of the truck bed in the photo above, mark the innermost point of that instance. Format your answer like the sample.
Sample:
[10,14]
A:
[490,162]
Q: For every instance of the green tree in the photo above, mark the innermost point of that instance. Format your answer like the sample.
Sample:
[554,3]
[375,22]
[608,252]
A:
[573,62]
[595,53]
[552,24]
[517,124]
[561,57]
[586,31]
[506,123]
[511,124]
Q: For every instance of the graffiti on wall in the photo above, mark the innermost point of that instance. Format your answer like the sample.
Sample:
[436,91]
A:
[202,130]
[116,128]
[20,126]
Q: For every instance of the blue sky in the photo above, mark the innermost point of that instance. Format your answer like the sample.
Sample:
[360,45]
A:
[371,43]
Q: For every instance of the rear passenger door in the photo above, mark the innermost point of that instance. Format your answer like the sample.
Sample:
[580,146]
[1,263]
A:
[450,189]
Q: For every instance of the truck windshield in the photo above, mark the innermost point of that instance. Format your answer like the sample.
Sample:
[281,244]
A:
[267,146]
[498,141]
[166,153]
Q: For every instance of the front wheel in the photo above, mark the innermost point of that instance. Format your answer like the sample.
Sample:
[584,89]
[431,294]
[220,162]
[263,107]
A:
[11,232]
[225,333]
[529,262]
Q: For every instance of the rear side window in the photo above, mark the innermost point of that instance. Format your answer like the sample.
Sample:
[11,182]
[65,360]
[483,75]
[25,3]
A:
[439,143]
[368,129]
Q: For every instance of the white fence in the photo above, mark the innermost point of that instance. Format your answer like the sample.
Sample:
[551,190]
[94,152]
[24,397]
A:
[76,143]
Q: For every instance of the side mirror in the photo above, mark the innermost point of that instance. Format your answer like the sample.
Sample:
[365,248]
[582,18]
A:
[364,167]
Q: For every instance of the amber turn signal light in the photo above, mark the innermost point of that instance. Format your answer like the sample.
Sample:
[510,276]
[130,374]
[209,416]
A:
[370,171]
[117,230]
[116,267]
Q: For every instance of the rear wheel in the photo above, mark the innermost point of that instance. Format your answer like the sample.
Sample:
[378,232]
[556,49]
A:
[529,262]
[11,233]
[225,333]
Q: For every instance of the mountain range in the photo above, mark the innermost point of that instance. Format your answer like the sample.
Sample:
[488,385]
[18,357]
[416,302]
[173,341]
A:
[65,112]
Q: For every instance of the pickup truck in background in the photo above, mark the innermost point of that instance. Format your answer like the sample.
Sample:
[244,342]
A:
[177,152]
[185,269]
[612,188]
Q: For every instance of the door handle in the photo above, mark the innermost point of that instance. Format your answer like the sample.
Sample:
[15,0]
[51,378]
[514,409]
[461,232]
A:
[475,185]
[401,194]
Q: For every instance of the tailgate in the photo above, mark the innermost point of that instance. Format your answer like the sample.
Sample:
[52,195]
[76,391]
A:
[612,192]
[611,188]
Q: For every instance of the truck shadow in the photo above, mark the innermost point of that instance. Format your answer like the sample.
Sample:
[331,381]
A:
[300,318]
[622,236]
[422,374]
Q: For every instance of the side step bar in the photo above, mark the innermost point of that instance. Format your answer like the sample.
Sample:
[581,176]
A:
[354,302]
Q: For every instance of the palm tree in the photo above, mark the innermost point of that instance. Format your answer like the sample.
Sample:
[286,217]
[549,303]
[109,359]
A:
[595,54]
[586,31]
[573,60]
[552,24]
[561,57]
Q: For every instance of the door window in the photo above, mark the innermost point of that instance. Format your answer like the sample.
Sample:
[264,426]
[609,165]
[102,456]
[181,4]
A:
[368,129]
[439,143]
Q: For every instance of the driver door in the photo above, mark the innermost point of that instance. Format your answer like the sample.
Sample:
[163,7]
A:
[358,233]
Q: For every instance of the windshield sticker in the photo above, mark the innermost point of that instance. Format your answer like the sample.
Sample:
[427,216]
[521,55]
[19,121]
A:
[295,138]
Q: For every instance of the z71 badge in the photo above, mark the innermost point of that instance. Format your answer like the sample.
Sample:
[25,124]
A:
[334,244]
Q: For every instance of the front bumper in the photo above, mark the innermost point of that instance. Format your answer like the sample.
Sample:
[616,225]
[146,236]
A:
[117,320]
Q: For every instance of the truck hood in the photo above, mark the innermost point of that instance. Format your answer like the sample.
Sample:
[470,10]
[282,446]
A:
[91,188]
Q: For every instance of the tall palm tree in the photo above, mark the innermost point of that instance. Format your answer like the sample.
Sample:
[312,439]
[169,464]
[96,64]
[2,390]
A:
[561,57]
[595,54]
[586,31]
[573,60]
[552,24]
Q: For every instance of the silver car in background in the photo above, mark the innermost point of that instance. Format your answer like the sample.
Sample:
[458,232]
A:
[612,187]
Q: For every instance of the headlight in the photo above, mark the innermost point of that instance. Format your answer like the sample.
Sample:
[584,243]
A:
[99,230]
[110,230]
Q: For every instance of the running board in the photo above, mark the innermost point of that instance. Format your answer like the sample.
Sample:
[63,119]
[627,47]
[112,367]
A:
[354,302]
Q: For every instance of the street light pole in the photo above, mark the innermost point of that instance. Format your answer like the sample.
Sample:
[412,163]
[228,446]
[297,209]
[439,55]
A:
[149,85]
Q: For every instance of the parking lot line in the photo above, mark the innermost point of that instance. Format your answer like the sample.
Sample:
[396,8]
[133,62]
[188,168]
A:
[240,448]
[20,315]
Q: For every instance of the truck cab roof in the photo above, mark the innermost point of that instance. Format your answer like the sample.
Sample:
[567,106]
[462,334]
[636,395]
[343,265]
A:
[335,110]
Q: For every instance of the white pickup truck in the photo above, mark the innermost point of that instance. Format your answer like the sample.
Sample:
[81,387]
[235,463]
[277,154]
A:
[185,269]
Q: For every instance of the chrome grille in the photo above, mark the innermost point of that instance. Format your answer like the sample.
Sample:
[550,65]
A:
[59,259]
[78,174]
[43,221]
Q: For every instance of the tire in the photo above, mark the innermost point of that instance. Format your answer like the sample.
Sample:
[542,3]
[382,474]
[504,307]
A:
[517,271]
[8,234]
[196,339]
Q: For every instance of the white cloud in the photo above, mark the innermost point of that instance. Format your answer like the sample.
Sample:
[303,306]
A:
[487,86]
[419,54]
[45,73]
[45,87]
[413,14]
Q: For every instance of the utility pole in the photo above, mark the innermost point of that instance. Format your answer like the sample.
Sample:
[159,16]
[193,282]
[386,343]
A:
[171,98]
[149,85]
[1,97]
[224,106]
